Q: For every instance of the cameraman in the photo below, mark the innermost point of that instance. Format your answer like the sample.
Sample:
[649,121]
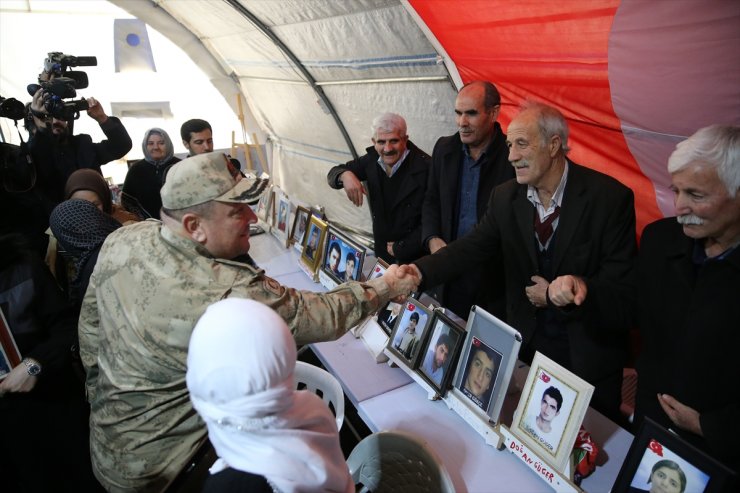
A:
[57,153]
[52,154]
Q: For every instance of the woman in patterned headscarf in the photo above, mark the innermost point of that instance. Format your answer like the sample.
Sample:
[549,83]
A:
[146,177]
[81,228]
[88,184]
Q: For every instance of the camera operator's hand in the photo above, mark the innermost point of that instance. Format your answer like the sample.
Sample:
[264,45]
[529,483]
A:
[37,104]
[95,111]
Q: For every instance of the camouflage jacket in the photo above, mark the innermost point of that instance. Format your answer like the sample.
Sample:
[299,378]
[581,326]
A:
[147,291]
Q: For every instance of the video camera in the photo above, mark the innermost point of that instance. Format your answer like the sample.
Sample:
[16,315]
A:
[12,108]
[62,84]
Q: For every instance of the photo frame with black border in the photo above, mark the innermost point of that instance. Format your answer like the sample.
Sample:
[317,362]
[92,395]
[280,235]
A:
[480,404]
[300,224]
[312,252]
[404,344]
[345,253]
[550,411]
[656,451]
[388,315]
[444,340]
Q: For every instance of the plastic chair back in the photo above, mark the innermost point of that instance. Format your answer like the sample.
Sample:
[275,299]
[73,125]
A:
[323,384]
[396,461]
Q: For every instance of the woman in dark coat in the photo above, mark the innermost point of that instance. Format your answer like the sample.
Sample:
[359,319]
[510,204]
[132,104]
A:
[146,177]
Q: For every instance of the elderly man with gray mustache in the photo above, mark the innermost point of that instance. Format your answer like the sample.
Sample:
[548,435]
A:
[689,299]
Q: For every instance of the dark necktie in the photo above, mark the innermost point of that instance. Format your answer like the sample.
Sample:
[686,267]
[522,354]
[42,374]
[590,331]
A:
[544,229]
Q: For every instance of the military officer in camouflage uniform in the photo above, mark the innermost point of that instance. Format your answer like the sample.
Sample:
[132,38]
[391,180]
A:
[152,282]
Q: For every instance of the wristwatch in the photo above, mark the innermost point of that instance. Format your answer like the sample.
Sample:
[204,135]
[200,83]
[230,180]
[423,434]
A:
[33,367]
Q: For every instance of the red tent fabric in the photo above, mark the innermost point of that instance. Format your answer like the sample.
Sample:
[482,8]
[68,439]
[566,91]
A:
[569,54]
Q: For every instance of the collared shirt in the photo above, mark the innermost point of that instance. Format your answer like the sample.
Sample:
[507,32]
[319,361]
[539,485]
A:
[699,256]
[468,193]
[555,201]
[395,166]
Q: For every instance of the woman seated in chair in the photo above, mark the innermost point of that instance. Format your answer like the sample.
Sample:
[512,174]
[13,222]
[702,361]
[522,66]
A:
[268,436]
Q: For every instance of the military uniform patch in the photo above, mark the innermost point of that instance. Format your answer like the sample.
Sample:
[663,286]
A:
[273,286]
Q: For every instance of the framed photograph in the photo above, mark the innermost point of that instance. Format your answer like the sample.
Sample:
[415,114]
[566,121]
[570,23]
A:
[264,206]
[660,460]
[10,356]
[343,258]
[440,351]
[482,365]
[378,269]
[487,359]
[409,330]
[388,315]
[281,216]
[551,409]
[298,230]
[313,243]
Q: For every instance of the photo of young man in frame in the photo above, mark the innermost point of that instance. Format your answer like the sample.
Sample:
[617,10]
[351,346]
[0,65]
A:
[312,243]
[299,227]
[313,250]
[481,368]
[548,410]
[387,316]
[283,212]
[439,352]
[410,330]
[343,260]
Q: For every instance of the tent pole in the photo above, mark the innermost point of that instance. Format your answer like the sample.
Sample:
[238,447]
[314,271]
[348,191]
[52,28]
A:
[309,78]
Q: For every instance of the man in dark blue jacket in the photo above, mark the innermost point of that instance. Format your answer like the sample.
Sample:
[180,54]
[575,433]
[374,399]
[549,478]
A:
[465,169]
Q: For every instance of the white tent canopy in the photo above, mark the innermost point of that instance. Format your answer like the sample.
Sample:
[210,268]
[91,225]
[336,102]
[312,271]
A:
[312,74]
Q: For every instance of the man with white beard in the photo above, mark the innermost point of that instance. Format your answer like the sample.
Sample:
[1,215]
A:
[689,298]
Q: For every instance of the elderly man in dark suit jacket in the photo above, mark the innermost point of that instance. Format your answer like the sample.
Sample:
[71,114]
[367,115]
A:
[466,167]
[396,174]
[689,298]
[566,235]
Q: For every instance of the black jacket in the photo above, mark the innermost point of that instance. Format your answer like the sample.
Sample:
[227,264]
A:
[142,185]
[404,228]
[439,216]
[40,318]
[595,239]
[688,320]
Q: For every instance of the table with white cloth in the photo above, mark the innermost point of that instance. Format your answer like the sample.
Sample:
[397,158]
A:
[387,398]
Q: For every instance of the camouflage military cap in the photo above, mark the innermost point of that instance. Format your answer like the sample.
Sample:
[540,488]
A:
[205,177]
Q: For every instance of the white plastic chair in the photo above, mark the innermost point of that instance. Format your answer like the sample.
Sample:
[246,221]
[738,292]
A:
[322,383]
[397,461]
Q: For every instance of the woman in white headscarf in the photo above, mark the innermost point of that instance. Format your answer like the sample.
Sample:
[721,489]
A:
[240,377]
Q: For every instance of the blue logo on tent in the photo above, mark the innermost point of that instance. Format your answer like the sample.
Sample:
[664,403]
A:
[133,39]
